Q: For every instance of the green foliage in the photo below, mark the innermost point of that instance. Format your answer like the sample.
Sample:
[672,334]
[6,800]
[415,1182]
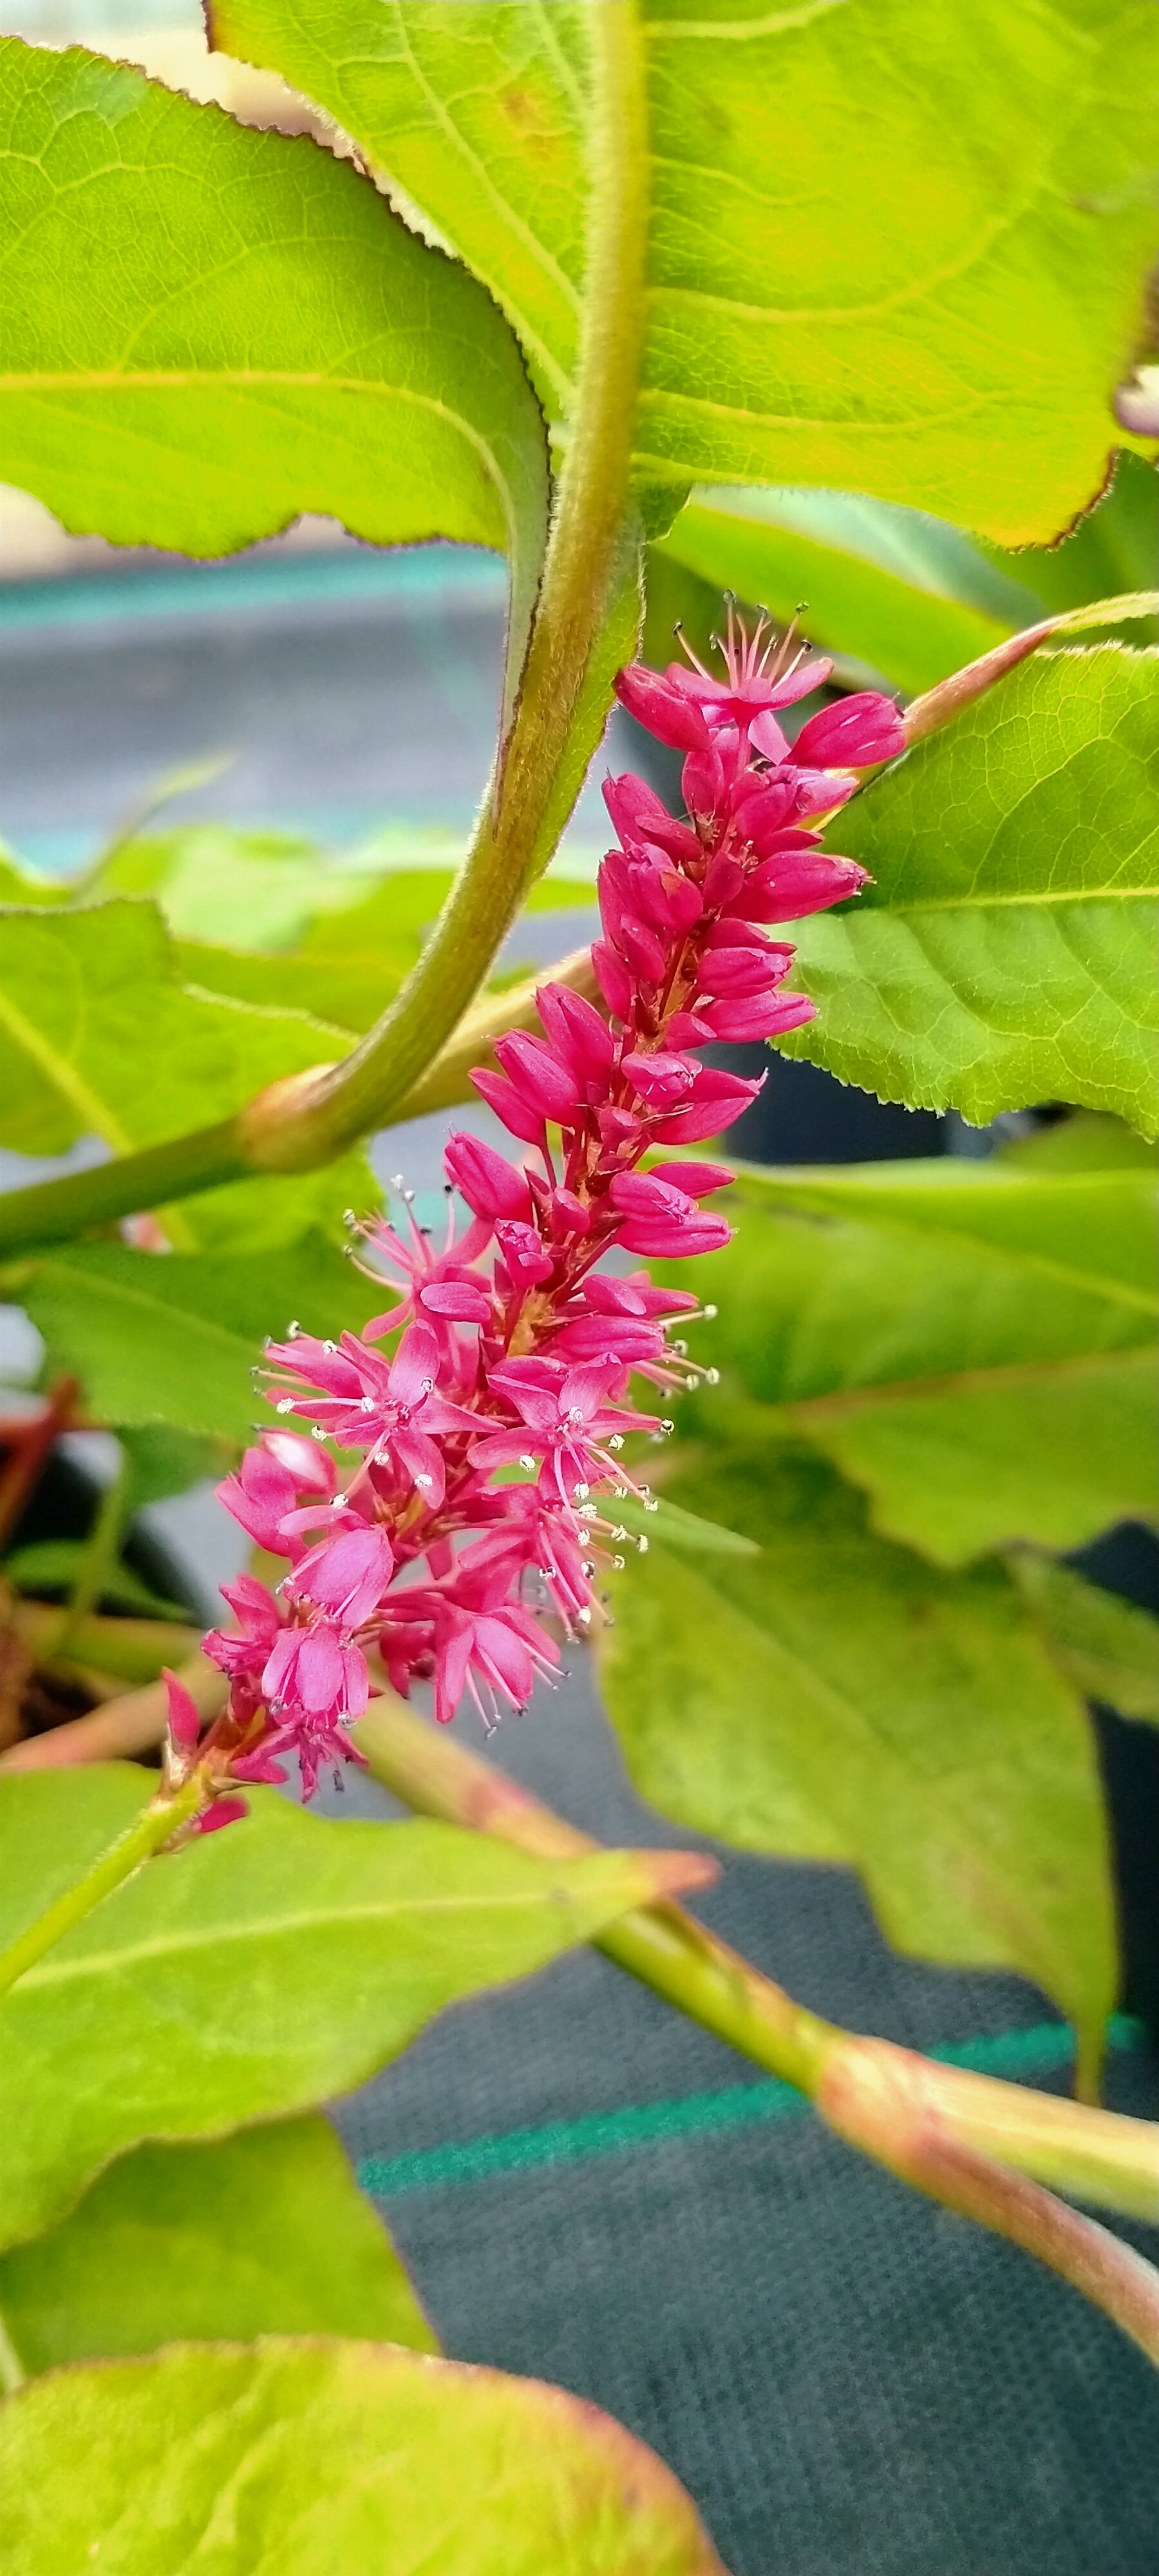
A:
[840,1700]
[970,1342]
[266,331]
[783,350]
[99,1037]
[1005,951]
[313,2453]
[262,2233]
[176,1340]
[334,1944]
[890,588]
[1109,1650]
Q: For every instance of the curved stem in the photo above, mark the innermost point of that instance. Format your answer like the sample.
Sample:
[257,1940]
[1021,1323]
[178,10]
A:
[1096,2155]
[310,1119]
[52,1211]
[142,1838]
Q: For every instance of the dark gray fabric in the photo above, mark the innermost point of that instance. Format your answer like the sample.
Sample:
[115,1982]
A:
[850,2382]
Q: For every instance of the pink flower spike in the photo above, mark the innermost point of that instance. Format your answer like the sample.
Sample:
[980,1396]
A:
[184,1719]
[638,815]
[852,734]
[490,1184]
[576,1032]
[643,949]
[613,978]
[223,1811]
[548,1085]
[743,972]
[660,1079]
[259,1766]
[527,1261]
[345,1576]
[312,1671]
[662,709]
[663,1220]
[312,1468]
[803,881]
[698,1180]
[761,1015]
[456,1301]
[259,1497]
[508,1104]
[717,1099]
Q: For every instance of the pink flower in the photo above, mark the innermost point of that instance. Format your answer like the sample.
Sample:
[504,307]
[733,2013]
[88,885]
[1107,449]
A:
[184,1717]
[344,1576]
[518,1347]
[564,1420]
[391,1409]
[663,1218]
[853,734]
[490,1185]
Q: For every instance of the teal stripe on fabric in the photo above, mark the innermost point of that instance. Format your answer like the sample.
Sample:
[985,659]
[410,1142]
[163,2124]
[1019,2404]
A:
[273,581]
[570,2142]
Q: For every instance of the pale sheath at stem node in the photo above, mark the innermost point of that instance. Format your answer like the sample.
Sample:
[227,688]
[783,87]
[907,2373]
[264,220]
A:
[517,1346]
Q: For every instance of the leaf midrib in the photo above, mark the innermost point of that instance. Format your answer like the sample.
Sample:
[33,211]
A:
[982,1247]
[977,1381]
[1017,1926]
[58,1972]
[68,1083]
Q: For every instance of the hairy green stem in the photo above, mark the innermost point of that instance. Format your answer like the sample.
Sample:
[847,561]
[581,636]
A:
[308,1120]
[53,1211]
[100,1555]
[143,1837]
[1093,2154]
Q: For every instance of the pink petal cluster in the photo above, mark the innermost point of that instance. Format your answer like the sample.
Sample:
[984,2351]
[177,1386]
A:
[488,1447]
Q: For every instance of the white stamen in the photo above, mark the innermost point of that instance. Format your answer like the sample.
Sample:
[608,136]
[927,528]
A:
[285,1404]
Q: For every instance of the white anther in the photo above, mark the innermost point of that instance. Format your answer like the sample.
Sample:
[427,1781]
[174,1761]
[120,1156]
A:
[583,1491]
[616,1440]
[619,1562]
[316,1431]
[330,1348]
[642,1545]
[712,1377]
[528,1461]
[424,1480]
[285,1404]
[293,1331]
[366,1404]
[708,1314]
[650,1503]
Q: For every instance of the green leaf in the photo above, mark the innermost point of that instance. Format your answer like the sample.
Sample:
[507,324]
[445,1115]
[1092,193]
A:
[255,1972]
[897,591]
[315,2454]
[51,1565]
[98,1037]
[971,1342]
[841,1701]
[267,332]
[687,1533]
[930,300]
[904,620]
[263,2233]
[163,1461]
[175,1339]
[1106,1647]
[1005,951]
